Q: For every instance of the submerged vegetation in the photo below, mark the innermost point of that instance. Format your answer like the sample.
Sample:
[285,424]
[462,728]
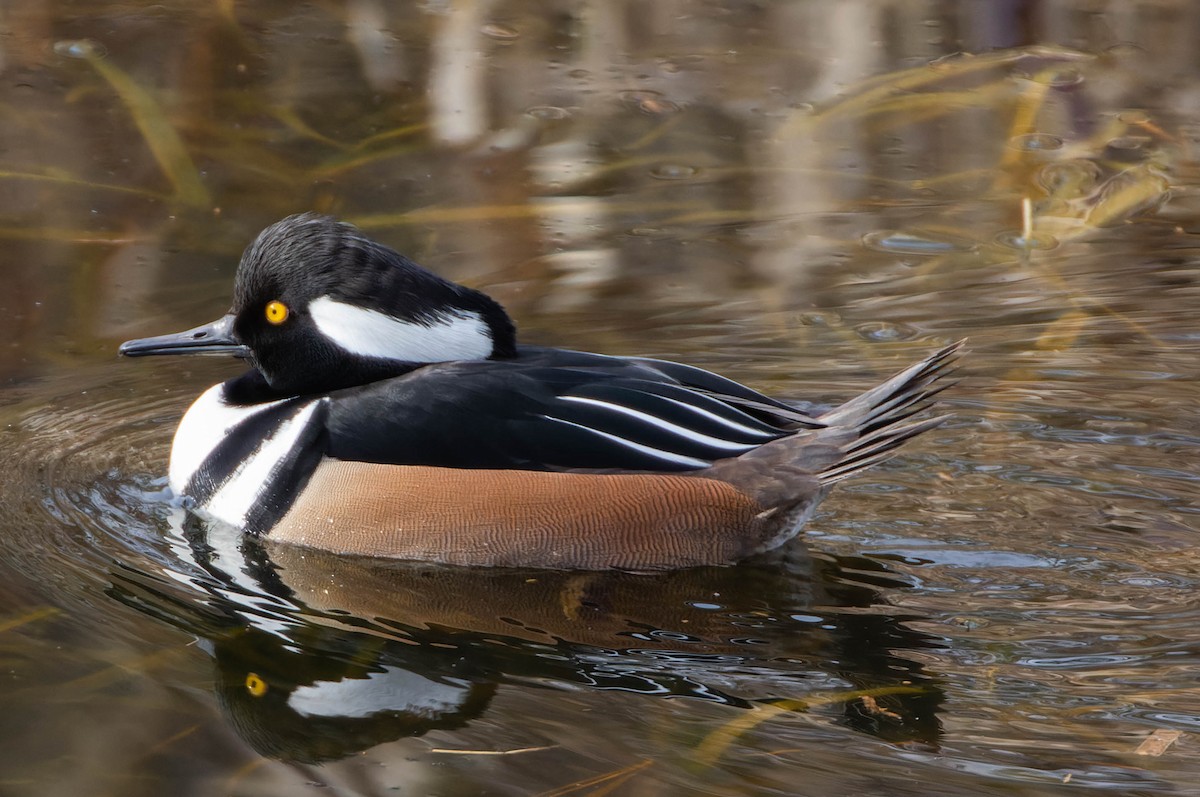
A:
[573,190]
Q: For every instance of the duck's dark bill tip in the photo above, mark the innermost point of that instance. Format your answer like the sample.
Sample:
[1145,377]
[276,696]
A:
[214,338]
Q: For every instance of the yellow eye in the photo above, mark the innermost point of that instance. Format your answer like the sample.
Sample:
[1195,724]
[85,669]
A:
[277,312]
[255,685]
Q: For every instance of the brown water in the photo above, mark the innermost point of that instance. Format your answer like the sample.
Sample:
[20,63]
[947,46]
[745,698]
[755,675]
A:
[802,196]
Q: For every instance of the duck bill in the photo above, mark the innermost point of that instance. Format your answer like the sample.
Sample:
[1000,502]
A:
[214,338]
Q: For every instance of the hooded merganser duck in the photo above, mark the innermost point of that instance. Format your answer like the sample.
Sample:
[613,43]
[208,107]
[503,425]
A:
[389,412]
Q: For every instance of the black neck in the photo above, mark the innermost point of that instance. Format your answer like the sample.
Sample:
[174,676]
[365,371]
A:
[252,388]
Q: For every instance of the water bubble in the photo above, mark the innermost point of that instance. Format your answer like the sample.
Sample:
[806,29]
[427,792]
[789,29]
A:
[814,318]
[677,636]
[649,102]
[1036,142]
[547,112]
[499,32]
[1126,50]
[79,48]
[1013,239]
[1134,117]
[673,171]
[911,243]
[1064,78]
[658,107]
[885,331]
[1146,581]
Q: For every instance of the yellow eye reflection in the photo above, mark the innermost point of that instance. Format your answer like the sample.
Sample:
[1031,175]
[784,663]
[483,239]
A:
[277,312]
[255,685]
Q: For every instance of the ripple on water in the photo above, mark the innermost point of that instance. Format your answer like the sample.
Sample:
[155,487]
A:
[497,31]
[1015,239]
[1036,142]
[673,171]
[1016,640]
[548,113]
[915,243]
[79,48]
[90,463]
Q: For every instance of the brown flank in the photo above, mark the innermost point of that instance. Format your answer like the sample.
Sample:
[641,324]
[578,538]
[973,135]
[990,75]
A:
[512,518]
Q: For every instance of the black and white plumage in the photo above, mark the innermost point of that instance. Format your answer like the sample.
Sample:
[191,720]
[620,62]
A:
[546,409]
[358,355]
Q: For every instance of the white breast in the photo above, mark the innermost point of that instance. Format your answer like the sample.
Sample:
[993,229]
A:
[207,423]
[204,426]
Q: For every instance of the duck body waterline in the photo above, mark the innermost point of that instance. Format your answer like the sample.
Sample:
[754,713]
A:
[389,412]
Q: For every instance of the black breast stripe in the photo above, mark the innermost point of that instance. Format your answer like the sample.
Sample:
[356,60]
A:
[238,446]
[289,477]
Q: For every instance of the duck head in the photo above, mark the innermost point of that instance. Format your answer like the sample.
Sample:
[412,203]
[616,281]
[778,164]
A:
[317,306]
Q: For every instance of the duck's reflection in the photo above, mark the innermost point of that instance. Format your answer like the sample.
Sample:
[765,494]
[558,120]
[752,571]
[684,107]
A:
[322,656]
[330,693]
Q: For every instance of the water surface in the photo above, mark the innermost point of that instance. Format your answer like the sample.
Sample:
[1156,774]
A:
[802,196]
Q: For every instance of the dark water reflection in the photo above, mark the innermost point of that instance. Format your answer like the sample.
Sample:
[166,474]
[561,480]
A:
[799,195]
[320,657]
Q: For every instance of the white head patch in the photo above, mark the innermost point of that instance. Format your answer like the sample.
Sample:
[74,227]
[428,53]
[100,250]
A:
[458,335]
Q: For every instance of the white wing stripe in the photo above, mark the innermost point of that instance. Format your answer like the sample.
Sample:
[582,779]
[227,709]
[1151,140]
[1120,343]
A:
[678,459]
[666,426]
[725,421]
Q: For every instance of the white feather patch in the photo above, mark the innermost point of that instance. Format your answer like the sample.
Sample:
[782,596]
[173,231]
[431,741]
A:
[232,503]
[458,335]
[667,456]
[666,426]
[204,426]
[712,416]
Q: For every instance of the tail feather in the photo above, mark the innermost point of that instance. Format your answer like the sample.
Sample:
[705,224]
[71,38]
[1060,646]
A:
[870,451]
[848,439]
[876,419]
[906,406]
[788,477]
[905,388]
